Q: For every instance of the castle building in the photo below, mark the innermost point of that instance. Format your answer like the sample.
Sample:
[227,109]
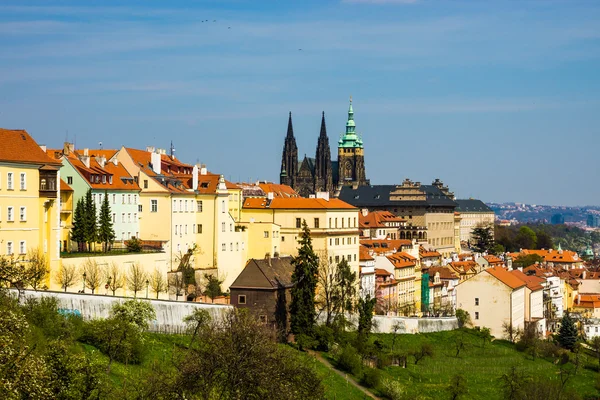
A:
[321,174]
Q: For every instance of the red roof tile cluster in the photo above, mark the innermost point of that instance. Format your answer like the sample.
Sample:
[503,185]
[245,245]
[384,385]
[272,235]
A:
[587,300]
[278,190]
[463,267]
[297,203]
[402,260]
[18,146]
[363,253]
[428,253]
[384,246]
[378,219]
[533,282]
[554,256]
[510,280]
[445,273]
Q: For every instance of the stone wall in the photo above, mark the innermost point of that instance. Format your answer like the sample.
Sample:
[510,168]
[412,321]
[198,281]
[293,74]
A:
[384,324]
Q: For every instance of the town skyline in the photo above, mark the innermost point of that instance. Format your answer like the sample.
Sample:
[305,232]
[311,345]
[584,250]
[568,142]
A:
[481,96]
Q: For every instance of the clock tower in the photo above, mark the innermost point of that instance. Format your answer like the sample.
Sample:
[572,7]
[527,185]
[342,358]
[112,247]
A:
[351,155]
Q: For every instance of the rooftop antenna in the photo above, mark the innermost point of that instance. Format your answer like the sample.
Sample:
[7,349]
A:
[172,150]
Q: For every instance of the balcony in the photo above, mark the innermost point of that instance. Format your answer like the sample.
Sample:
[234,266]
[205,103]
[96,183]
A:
[48,182]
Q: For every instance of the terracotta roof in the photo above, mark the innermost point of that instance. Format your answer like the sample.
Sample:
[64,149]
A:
[464,266]
[296,203]
[363,253]
[278,190]
[385,245]
[563,256]
[506,277]
[427,253]
[378,219]
[121,179]
[64,187]
[382,272]
[533,282]
[445,272]
[587,300]
[19,146]
[402,260]
[493,259]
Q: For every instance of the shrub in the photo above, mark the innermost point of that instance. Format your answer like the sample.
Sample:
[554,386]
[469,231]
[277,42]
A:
[371,377]
[100,333]
[463,317]
[350,361]
[305,342]
[324,337]
[134,245]
[392,389]
[384,360]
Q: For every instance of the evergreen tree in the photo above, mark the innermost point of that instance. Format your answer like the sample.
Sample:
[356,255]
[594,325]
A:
[106,233]
[345,289]
[77,232]
[567,334]
[365,316]
[90,222]
[483,238]
[304,278]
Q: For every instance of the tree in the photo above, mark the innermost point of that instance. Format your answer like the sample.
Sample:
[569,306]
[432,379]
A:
[336,289]
[213,287]
[36,268]
[345,289]
[106,233]
[304,279]
[197,320]
[526,238]
[459,343]
[137,278]
[426,350]
[510,332]
[513,384]
[486,335]
[115,278]
[525,261]
[90,222]
[92,274]
[458,387]
[544,240]
[65,276]
[396,327]
[365,316]
[595,344]
[78,230]
[463,317]
[483,238]
[326,287]
[175,283]
[567,334]
[158,283]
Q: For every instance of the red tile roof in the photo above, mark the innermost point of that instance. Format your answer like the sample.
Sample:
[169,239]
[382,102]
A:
[64,187]
[445,272]
[18,146]
[278,190]
[506,277]
[533,282]
[296,203]
[364,255]
[378,219]
[402,260]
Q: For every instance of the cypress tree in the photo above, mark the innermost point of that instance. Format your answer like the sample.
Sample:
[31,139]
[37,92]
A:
[78,230]
[567,334]
[106,233]
[483,238]
[304,278]
[91,227]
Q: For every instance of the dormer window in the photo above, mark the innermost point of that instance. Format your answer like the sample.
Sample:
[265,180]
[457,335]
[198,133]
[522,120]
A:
[110,179]
[103,178]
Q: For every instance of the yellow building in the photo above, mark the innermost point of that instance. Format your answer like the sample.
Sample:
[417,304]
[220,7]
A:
[333,225]
[66,214]
[474,213]
[29,198]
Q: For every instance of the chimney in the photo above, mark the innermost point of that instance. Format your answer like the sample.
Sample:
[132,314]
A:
[270,196]
[323,195]
[68,148]
[101,160]
[578,299]
[150,149]
[155,161]
[195,178]
[86,152]
[364,212]
[203,170]
[43,147]
[115,161]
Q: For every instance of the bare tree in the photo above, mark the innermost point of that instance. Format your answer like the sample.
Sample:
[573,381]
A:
[115,279]
[336,289]
[92,274]
[175,284]
[36,268]
[66,276]
[137,278]
[158,283]
[426,350]
[325,286]
[510,332]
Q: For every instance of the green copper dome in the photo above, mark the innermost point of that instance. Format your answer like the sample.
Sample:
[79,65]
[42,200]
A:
[350,139]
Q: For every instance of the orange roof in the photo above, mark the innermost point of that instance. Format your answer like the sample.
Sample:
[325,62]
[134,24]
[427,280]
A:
[426,253]
[445,272]
[106,153]
[402,260]
[363,253]
[296,203]
[463,266]
[563,256]
[382,272]
[64,187]
[587,300]
[121,179]
[533,282]
[506,277]
[378,219]
[18,146]
[493,259]
[385,245]
[278,190]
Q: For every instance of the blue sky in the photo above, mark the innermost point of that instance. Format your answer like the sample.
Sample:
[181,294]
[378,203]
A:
[499,99]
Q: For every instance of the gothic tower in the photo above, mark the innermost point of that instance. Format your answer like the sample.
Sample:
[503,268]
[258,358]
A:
[351,155]
[289,158]
[323,170]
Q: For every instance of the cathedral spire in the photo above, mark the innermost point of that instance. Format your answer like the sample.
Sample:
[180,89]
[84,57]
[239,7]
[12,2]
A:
[323,128]
[350,139]
[290,131]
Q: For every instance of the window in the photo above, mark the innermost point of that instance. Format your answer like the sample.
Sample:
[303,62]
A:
[122,217]
[114,219]
[23,214]
[336,222]
[128,199]
[9,181]
[316,222]
[283,238]
[22,247]
[342,222]
[330,241]
[231,246]
[476,301]
[186,229]
[337,241]
[223,247]
[354,222]
[242,299]
[114,198]
[135,218]
[128,217]
[122,199]
[199,228]
[145,183]
[329,222]
[69,180]
[222,226]
[180,205]
[93,198]
[176,229]
[476,314]
[139,208]
[230,227]
[343,239]
[9,248]
[129,235]
[9,214]
[298,223]
[337,259]
[103,178]
[266,233]
[154,205]
[23,181]
[185,204]
[349,257]
[354,257]
[237,246]
[199,205]
[194,228]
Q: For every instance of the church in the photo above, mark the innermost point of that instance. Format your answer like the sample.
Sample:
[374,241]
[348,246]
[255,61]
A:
[321,174]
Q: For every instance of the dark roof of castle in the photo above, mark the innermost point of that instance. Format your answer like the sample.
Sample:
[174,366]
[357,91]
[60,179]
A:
[472,205]
[379,195]
[268,273]
[311,164]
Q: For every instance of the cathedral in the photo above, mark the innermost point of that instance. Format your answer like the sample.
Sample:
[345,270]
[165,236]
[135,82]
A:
[321,174]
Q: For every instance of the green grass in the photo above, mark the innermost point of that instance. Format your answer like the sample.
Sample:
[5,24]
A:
[482,366]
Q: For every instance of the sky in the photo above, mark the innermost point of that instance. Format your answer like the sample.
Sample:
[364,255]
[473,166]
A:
[499,99]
